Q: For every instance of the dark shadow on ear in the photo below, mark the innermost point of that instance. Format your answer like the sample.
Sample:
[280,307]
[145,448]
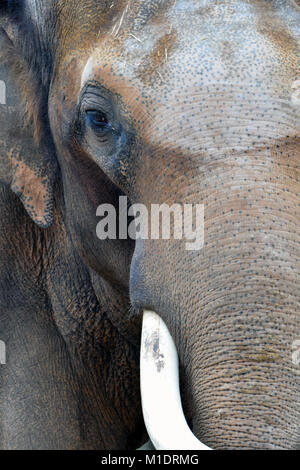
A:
[11,8]
[3,6]
[27,153]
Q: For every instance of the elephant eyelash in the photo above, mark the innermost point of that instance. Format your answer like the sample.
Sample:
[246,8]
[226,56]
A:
[98,116]
[98,120]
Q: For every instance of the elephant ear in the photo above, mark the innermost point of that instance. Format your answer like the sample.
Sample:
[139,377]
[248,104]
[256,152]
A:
[27,153]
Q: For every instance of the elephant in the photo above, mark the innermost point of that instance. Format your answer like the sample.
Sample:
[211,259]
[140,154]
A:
[164,102]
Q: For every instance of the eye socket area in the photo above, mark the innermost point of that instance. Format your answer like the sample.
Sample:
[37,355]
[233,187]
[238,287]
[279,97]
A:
[97,111]
[97,119]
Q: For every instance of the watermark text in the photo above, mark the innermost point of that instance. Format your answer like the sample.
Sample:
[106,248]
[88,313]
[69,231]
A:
[2,92]
[160,222]
[2,353]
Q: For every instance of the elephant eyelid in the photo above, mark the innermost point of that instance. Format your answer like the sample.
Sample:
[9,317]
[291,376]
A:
[94,97]
[96,101]
[99,121]
[96,106]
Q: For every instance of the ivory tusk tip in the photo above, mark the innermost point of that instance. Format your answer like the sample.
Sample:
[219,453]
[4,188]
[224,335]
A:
[161,401]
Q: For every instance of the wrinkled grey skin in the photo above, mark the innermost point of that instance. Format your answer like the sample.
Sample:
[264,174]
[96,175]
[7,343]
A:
[205,97]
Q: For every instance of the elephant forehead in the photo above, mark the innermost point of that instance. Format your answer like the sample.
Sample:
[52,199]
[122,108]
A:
[175,61]
[194,48]
[185,36]
[209,103]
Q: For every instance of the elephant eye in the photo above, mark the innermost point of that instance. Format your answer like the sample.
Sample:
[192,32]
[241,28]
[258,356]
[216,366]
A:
[97,119]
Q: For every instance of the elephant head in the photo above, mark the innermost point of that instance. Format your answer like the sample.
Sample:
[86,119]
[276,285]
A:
[179,102]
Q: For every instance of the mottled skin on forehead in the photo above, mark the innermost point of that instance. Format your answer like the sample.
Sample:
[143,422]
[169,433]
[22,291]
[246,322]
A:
[135,34]
[155,57]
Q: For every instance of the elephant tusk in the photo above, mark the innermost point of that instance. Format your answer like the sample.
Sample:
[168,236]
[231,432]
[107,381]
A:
[161,401]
